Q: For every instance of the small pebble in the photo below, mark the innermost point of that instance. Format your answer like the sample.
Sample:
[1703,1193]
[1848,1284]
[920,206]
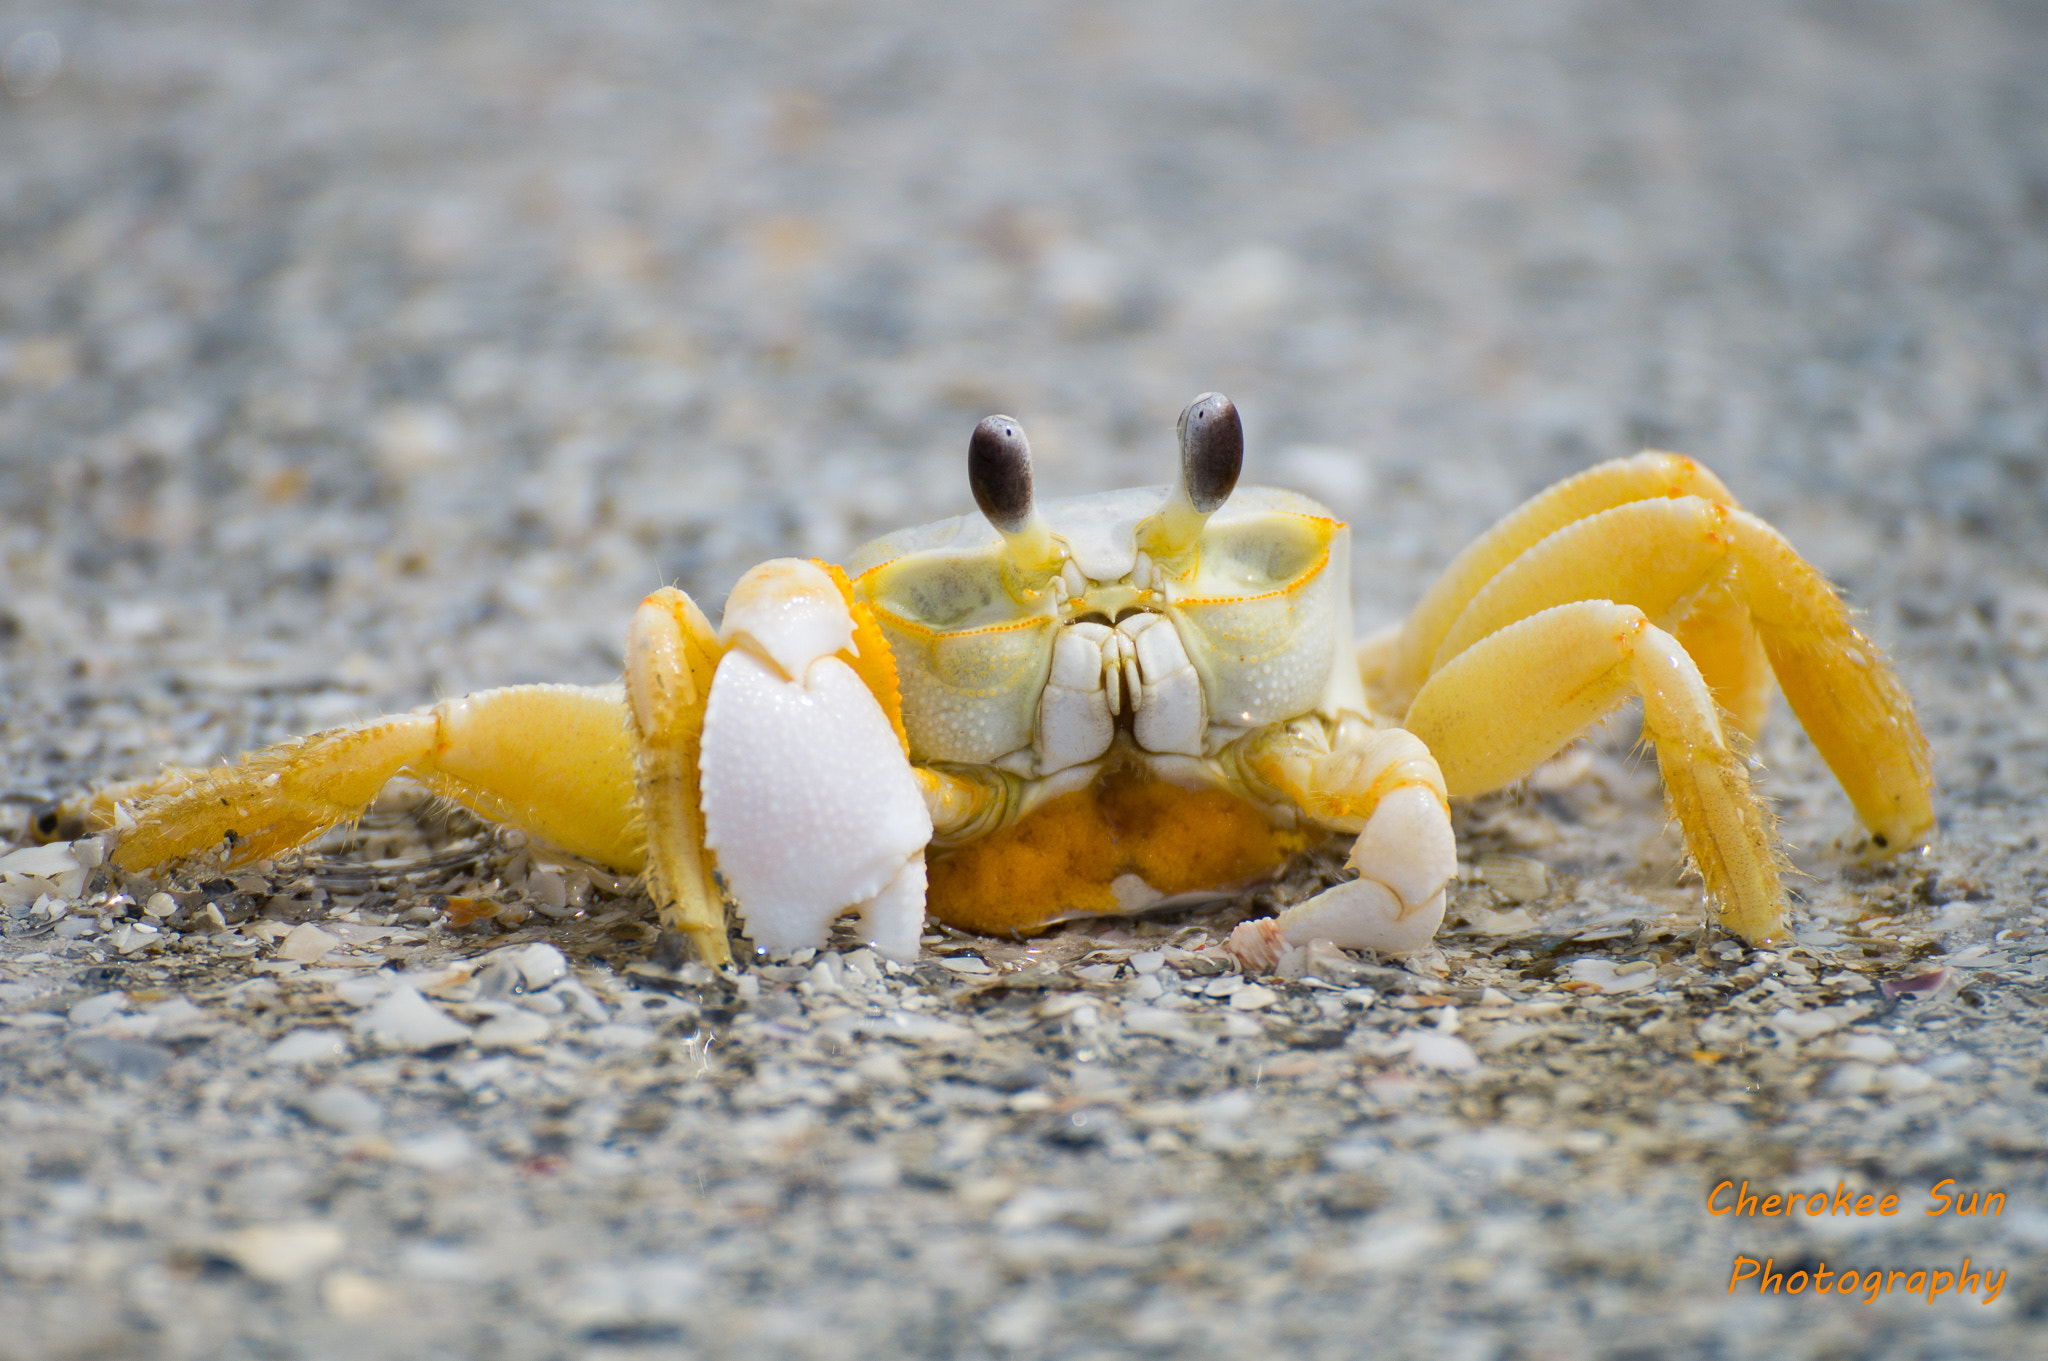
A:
[113,1056]
[439,1150]
[883,1069]
[308,1046]
[95,1009]
[1516,878]
[1869,1048]
[1445,1053]
[406,1020]
[306,944]
[352,1296]
[625,1038]
[630,1294]
[1253,997]
[540,965]
[343,1109]
[1903,1079]
[1805,1025]
[1609,977]
[510,1029]
[877,1171]
[282,1253]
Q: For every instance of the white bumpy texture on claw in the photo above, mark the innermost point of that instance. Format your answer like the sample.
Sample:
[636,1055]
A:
[809,802]
[1404,858]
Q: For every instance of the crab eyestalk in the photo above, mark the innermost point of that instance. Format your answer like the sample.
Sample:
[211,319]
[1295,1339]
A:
[1211,456]
[999,471]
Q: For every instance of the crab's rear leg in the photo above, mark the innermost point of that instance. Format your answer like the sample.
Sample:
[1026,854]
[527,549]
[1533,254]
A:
[1510,701]
[1396,664]
[1714,574]
[1384,785]
[553,760]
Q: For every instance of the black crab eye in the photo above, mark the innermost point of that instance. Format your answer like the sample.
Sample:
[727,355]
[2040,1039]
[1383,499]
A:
[999,471]
[1211,450]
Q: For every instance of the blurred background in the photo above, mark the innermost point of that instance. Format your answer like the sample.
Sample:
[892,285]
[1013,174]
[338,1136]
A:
[359,353]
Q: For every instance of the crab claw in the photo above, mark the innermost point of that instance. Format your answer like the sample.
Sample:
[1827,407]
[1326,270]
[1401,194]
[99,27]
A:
[1404,858]
[809,801]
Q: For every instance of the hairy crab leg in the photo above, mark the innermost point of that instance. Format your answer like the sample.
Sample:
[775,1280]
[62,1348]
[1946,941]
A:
[1666,557]
[1719,636]
[553,760]
[1504,705]
[1384,784]
[1398,664]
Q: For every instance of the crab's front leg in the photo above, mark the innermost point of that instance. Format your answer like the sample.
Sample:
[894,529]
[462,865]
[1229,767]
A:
[807,797]
[1384,784]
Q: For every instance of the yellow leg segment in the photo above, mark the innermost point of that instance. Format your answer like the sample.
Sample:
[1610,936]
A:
[1656,555]
[553,760]
[98,811]
[1718,635]
[671,653]
[1731,585]
[1647,476]
[1840,687]
[1509,702]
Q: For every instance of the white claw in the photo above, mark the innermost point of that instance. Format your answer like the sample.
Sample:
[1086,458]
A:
[1408,846]
[893,920]
[809,802]
[791,611]
[1404,858]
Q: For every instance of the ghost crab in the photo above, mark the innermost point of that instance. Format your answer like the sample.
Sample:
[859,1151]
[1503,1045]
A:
[1100,704]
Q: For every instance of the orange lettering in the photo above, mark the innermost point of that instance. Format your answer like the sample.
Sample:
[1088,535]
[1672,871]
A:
[1724,1186]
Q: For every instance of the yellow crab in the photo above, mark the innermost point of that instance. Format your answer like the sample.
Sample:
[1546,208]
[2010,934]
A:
[1100,704]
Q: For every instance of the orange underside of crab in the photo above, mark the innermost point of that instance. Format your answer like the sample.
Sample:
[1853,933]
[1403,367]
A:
[1065,858]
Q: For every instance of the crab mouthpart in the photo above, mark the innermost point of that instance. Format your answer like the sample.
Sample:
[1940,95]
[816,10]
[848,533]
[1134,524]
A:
[1134,674]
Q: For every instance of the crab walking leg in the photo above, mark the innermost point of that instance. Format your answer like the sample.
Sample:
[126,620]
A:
[1385,784]
[809,801]
[101,809]
[1668,558]
[553,760]
[1402,667]
[671,653]
[1506,704]
[1839,686]
[1718,635]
